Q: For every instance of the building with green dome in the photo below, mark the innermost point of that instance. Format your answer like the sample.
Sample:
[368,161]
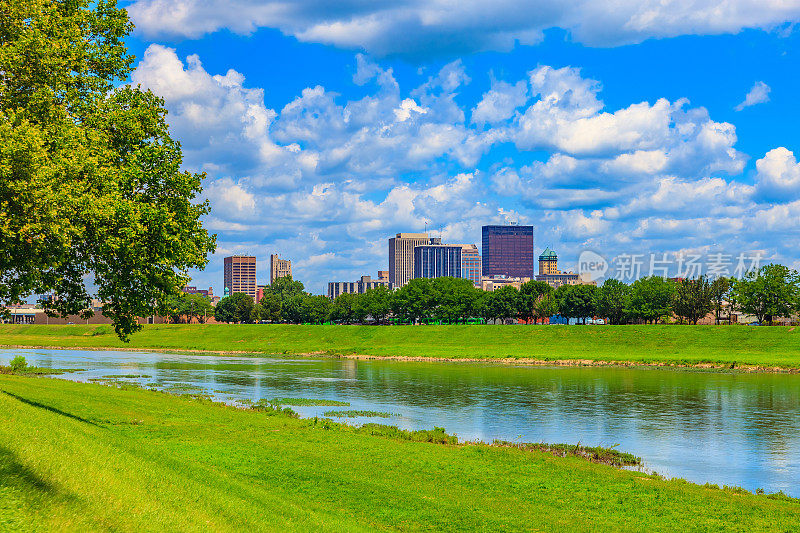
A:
[548,262]
[550,274]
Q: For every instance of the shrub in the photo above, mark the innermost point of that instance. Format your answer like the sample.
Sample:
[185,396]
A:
[18,364]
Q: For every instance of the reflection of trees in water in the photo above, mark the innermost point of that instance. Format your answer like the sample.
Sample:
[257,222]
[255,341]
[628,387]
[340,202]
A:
[757,407]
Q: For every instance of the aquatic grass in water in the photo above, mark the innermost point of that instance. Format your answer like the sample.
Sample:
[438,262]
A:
[356,413]
[19,365]
[300,402]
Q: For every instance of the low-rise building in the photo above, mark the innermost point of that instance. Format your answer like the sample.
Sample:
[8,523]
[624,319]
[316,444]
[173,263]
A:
[33,314]
[492,283]
[202,292]
[335,288]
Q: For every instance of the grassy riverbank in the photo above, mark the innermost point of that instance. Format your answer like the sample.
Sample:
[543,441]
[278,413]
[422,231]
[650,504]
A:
[720,345]
[77,456]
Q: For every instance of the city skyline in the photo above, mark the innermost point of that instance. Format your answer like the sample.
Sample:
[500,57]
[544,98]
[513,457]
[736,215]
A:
[624,267]
[404,252]
[679,139]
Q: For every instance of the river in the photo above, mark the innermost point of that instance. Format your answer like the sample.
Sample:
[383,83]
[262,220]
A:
[719,427]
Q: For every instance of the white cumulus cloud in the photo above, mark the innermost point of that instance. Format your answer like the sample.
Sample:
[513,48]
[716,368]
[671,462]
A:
[778,175]
[758,94]
[440,26]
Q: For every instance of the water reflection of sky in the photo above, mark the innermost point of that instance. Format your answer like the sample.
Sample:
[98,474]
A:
[725,428]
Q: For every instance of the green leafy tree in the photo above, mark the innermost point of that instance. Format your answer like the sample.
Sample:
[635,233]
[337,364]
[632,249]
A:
[287,291]
[484,305]
[342,309]
[257,313]
[91,187]
[293,309]
[245,307]
[545,307]
[285,288]
[651,299]
[773,291]
[530,293]
[360,308]
[225,310]
[378,302]
[316,309]
[171,307]
[413,301]
[237,307]
[18,364]
[612,300]
[270,307]
[692,299]
[197,306]
[453,298]
[579,301]
[505,303]
[306,308]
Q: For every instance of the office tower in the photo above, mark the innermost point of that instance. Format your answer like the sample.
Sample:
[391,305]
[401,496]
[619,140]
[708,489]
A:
[437,261]
[240,275]
[279,268]
[401,255]
[471,263]
[508,251]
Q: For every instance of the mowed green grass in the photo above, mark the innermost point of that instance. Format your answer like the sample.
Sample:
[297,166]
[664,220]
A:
[743,345]
[86,457]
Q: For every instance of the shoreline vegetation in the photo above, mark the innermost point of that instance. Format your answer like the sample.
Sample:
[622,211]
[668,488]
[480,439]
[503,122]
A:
[741,348]
[242,468]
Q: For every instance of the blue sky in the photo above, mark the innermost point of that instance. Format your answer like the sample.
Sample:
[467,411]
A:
[660,127]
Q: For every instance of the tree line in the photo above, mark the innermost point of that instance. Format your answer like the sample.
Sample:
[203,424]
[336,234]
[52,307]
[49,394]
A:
[772,291]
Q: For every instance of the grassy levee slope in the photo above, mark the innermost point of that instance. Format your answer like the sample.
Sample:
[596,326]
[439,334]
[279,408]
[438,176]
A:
[81,456]
[760,346]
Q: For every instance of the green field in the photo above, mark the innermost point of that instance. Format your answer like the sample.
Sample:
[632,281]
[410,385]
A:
[723,345]
[83,456]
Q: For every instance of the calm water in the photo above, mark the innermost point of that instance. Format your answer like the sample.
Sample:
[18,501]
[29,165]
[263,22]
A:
[724,428]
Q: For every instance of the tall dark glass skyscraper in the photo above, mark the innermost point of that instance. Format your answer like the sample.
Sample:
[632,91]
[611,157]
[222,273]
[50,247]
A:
[508,251]
[437,261]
